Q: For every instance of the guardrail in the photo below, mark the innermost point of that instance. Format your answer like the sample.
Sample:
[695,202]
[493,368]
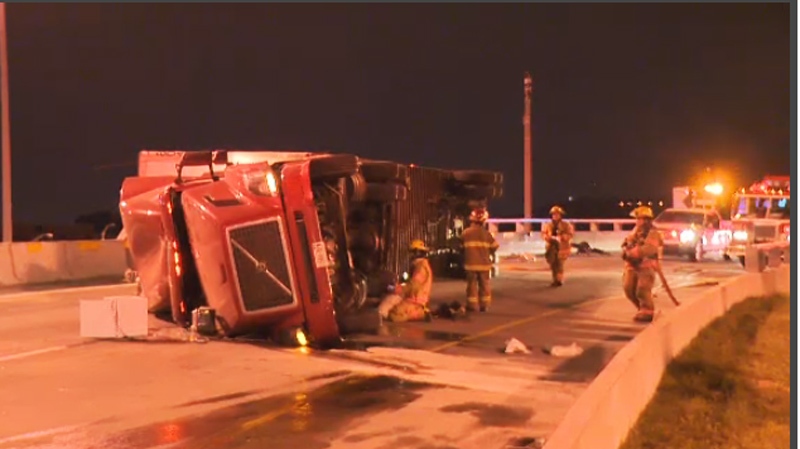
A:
[57,261]
[520,235]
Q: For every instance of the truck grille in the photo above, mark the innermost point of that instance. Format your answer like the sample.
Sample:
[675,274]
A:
[260,262]
[764,232]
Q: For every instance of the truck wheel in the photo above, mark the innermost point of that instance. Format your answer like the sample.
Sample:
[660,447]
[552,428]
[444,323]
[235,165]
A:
[333,167]
[481,191]
[386,193]
[356,188]
[384,172]
[478,177]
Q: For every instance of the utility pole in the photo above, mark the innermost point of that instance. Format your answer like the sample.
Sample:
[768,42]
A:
[526,121]
[8,228]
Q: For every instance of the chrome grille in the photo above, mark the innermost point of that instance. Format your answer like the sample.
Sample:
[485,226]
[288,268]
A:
[765,232]
[260,263]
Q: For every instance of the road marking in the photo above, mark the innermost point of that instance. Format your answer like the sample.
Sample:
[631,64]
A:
[519,322]
[9,297]
[23,355]
[37,434]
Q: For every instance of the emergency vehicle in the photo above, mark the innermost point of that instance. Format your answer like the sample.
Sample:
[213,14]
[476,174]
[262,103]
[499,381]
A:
[760,213]
[693,232]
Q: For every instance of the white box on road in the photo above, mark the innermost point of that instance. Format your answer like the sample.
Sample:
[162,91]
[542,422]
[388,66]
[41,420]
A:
[114,317]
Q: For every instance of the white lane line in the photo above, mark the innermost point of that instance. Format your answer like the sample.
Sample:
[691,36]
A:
[13,296]
[23,355]
[38,434]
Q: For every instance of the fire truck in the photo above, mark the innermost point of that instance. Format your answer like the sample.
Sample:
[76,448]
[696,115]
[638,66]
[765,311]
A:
[287,243]
[760,214]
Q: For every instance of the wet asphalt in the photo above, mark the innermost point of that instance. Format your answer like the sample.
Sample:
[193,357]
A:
[524,307]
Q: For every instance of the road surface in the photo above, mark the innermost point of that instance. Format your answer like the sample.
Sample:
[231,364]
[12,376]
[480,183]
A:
[444,384]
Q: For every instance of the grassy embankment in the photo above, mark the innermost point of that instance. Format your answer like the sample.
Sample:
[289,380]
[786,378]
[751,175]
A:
[729,388]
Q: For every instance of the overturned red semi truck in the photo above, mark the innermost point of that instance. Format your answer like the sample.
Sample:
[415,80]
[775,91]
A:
[281,242]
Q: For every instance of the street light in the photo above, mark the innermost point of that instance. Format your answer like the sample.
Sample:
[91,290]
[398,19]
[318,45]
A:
[8,228]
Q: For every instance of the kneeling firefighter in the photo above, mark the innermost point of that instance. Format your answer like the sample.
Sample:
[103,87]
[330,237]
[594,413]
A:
[417,291]
[557,236]
[640,251]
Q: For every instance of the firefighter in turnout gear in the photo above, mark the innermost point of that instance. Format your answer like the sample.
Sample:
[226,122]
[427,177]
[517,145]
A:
[479,246]
[417,292]
[557,236]
[640,251]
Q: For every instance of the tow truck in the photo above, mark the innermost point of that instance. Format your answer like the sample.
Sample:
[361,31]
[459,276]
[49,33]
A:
[287,243]
[760,213]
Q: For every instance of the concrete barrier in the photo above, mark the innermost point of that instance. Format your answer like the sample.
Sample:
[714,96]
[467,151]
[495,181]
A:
[523,236]
[47,262]
[610,406]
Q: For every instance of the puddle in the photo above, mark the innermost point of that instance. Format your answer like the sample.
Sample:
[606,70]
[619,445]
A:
[444,336]
[308,420]
[490,415]
[582,368]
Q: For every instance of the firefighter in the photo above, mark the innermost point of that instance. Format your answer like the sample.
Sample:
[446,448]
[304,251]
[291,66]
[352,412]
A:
[479,246]
[417,291]
[557,236]
[640,251]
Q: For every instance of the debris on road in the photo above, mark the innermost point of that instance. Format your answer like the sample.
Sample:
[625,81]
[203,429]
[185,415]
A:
[513,346]
[525,443]
[114,317]
[564,351]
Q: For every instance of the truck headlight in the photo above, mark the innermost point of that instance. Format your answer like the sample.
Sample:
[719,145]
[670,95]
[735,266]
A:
[740,235]
[688,236]
[262,182]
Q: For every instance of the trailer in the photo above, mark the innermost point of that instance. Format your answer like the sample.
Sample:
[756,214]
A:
[288,242]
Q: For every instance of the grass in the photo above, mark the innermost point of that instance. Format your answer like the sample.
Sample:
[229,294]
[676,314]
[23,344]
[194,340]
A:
[729,388]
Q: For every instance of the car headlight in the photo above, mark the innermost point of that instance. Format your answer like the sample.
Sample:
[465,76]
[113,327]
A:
[740,235]
[261,182]
[688,236]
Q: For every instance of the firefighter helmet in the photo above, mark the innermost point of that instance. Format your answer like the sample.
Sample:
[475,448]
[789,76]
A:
[557,210]
[418,245]
[479,215]
[642,212]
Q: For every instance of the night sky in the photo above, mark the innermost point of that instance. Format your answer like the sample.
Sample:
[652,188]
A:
[628,99]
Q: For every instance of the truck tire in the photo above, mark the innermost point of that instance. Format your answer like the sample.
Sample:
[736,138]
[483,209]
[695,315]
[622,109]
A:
[481,191]
[356,188]
[478,177]
[386,193]
[333,167]
[384,172]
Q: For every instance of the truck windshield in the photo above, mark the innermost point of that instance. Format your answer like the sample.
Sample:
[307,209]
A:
[675,216]
[762,207]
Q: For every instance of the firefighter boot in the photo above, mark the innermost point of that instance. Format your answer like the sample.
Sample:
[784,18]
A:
[644,316]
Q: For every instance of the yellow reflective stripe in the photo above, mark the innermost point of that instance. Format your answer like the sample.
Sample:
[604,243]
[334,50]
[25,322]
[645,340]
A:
[469,267]
[477,245]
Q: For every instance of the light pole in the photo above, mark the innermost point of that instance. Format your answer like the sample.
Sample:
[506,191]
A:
[526,121]
[8,228]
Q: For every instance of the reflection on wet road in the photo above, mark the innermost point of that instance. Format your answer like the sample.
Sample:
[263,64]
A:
[458,389]
[305,419]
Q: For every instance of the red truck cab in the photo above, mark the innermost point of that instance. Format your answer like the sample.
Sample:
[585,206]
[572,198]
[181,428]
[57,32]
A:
[238,242]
